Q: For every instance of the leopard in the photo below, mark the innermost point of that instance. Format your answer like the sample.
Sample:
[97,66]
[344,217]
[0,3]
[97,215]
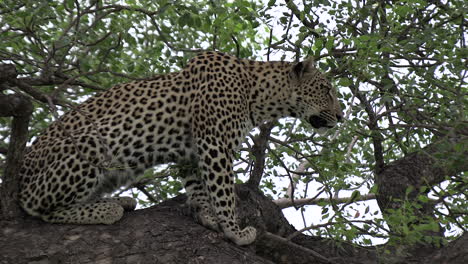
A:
[199,115]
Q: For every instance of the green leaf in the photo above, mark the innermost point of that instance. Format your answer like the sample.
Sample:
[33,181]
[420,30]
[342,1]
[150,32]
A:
[355,195]
[408,190]
[423,198]
[345,82]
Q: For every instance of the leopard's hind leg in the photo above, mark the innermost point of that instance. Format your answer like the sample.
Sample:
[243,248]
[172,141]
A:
[128,203]
[86,213]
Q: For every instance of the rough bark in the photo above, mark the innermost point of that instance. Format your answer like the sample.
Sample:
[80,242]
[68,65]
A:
[455,252]
[156,235]
[259,152]
[166,234]
[427,167]
[20,109]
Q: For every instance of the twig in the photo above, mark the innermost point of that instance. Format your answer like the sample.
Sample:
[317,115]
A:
[269,44]
[237,46]
[142,189]
[297,13]
[285,241]
[286,202]
[350,148]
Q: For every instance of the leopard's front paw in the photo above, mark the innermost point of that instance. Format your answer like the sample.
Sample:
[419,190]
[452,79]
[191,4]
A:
[242,237]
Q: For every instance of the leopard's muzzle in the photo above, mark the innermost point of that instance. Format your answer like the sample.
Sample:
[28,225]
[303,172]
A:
[324,120]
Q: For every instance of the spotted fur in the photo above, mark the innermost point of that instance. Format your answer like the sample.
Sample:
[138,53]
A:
[199,116]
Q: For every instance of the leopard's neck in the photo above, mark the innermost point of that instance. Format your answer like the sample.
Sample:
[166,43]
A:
[270,96]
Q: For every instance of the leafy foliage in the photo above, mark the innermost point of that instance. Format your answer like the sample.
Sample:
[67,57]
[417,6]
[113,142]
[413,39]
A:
[400,68]
[394,64]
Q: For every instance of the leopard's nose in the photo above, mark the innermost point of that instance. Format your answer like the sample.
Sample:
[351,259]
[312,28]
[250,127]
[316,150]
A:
[339,117]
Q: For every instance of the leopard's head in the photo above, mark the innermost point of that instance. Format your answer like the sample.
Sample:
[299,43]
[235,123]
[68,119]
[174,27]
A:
[312,96]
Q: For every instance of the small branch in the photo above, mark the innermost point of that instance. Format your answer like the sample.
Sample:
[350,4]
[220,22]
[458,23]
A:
[142,189]
[332,223]
[377,139]
[286,202]
[350,148]
[295,178]
[259,152]
[169,44]
[36,94]
[270,38]
[237,46]
[287,243]
[297,13]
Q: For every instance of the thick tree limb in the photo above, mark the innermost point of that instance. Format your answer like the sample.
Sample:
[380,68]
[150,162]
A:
[20,108]
[454,252]
[164,234]
[429,166]
[9,188]
[157,235]
[259,152]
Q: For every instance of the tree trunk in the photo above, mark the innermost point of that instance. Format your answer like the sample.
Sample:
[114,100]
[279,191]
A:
[20,109]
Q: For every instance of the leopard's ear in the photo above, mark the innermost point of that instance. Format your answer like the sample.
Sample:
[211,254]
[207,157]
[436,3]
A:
[303,67]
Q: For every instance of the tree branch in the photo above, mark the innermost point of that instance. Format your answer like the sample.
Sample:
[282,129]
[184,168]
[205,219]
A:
[425,168]
[20,108]
[259,152]
[297,13]
[287,202]
[429,166]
